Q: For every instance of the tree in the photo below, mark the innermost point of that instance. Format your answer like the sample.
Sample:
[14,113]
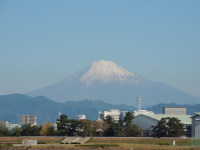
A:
[128,119]
[47,129]
[109,120]
[100,127]
[129,128]
[4,130]
[85,127]
[16,131]
[66,126]
[61,125]
[35,130]
[132,131]
[122,128]
[111,126]
[119,128]
[28,130]
[169,127]
[71,126]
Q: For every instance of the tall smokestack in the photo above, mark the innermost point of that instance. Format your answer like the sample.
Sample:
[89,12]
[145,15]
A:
[139,103]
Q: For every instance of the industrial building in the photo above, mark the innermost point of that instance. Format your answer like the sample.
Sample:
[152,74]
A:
[27,119]
[139,110]
[148,122]
[9,125]
[80,117]
[174,110]
[114,113]
[196,125]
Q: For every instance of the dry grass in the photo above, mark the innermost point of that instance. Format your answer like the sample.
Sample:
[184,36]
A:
[155,141]
[41,140]
[145,143]
[104,143]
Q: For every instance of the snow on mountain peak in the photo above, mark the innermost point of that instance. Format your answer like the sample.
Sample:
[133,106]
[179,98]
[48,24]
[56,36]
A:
[107,71]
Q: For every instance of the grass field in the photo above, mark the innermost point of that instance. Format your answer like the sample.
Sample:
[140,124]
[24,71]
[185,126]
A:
[40,140]
[105,143]
[146,143]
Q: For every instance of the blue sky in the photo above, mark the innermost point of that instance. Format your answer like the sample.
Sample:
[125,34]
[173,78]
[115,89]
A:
[43,42]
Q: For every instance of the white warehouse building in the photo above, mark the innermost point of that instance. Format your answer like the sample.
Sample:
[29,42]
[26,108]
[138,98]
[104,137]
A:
[80,117]
[114,113]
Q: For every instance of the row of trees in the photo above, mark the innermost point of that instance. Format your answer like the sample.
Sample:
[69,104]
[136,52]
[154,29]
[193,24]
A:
[28,130]
[71,127]
[166,127]
[122,128]
[108,127]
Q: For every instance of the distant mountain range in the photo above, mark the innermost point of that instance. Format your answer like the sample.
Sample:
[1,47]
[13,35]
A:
[14,105]
[106,81]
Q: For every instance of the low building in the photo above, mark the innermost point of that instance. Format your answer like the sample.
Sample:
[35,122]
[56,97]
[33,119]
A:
[80,117]
[196,125]
[148,122]
[114,113]
[142,112]
[27,119]
[174,110]
[9,125]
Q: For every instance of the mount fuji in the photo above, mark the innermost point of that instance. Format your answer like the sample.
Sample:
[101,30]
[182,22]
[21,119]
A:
[106,81]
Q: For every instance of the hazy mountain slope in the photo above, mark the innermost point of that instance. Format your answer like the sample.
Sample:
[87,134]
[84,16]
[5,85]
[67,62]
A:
[14,105]
[106,81]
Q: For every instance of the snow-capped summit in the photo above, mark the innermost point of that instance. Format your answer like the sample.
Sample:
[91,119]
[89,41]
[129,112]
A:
[107,71]
[106,81]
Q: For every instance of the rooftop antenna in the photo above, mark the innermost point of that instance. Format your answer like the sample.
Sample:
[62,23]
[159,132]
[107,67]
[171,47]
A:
[138,103]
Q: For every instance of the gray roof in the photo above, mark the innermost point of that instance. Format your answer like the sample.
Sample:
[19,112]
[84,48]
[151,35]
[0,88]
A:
[185,119]
[197,113]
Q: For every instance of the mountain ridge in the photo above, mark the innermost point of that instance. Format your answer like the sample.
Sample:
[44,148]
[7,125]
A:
[116,88]
[14,105]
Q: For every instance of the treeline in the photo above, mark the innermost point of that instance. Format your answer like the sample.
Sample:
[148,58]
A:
[166,127]
[108,127]
[71,127]
[46,129]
